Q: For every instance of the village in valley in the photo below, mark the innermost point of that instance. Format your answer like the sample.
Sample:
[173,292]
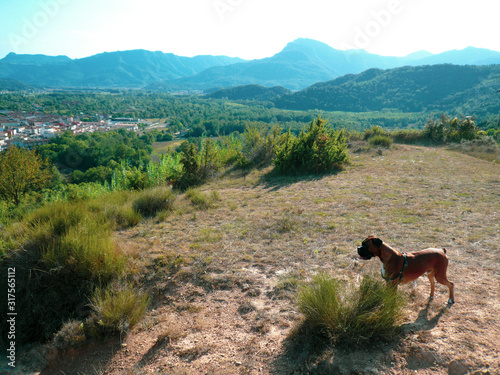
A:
[29,129]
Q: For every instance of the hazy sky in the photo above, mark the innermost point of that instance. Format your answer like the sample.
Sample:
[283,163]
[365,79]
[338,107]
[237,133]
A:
[245,28]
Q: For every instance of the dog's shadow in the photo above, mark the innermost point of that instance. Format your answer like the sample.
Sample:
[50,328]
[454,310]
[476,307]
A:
[423,322]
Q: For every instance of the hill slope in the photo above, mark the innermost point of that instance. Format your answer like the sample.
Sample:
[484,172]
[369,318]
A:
[409,89]
[12,85]
[223,279]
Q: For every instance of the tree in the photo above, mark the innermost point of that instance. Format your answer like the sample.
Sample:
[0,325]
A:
[22,171]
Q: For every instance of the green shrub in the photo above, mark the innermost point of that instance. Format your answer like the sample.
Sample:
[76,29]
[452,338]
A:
[450,130]
[116,310]
[199,163]
[374,131]
[169,168]
[155,200]
[348,315]
[258,145]
[317,149]
[408,136]
[380,141]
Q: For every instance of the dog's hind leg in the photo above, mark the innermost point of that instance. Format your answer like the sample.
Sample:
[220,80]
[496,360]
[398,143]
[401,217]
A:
[430,275]
[442,279]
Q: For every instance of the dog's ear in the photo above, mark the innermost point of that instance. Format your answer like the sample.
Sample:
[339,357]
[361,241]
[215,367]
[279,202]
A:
[377,242]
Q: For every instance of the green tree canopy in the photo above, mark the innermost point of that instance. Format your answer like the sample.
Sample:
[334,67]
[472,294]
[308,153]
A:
[22,171]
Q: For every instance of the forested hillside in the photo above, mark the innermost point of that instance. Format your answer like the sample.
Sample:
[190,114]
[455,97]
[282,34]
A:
[250,92]
[471,89]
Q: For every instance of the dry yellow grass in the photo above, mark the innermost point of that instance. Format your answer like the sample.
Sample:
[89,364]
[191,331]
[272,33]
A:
[223,279]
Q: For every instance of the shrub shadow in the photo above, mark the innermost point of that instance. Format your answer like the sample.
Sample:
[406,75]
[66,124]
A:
[274,181]
[301,349]
[90,358]
[306,350]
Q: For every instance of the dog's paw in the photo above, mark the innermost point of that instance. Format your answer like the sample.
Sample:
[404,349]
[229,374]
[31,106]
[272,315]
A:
[450,302]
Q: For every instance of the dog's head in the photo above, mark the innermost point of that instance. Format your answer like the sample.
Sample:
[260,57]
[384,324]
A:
[364,250]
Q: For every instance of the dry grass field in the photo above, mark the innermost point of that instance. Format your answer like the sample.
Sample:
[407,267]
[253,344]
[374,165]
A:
[223,277]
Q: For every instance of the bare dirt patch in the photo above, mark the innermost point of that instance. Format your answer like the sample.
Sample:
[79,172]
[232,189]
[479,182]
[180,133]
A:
[223,279]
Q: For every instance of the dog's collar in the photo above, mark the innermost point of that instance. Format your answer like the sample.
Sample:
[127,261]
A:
[398,276]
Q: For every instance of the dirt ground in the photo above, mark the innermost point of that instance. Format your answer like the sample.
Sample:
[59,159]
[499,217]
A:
[223,280]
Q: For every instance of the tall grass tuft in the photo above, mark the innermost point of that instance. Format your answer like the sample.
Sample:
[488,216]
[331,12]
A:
[200,200]
[117,310]
[349,315]
[61,252]
[116,208]
[155,200]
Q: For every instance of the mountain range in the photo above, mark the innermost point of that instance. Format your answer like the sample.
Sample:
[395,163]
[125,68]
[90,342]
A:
[127,69]
[300,64]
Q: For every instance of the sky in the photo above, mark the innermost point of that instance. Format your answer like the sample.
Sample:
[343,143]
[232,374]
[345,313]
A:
[249,29]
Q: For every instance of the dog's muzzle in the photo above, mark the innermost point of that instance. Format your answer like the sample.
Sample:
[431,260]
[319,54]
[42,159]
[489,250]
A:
[364,253]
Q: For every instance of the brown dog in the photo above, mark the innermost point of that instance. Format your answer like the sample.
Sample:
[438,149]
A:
[401,268]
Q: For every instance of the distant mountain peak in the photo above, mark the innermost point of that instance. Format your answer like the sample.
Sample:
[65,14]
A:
[305,43]
[418,55]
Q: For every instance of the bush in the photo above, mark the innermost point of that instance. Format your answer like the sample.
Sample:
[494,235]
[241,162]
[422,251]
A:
[380,141]
[408,136]
[258,145]
[448,130]
[317,149]
[152,201]
[70,335]
[352,316]
[374,131]
[197,164]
